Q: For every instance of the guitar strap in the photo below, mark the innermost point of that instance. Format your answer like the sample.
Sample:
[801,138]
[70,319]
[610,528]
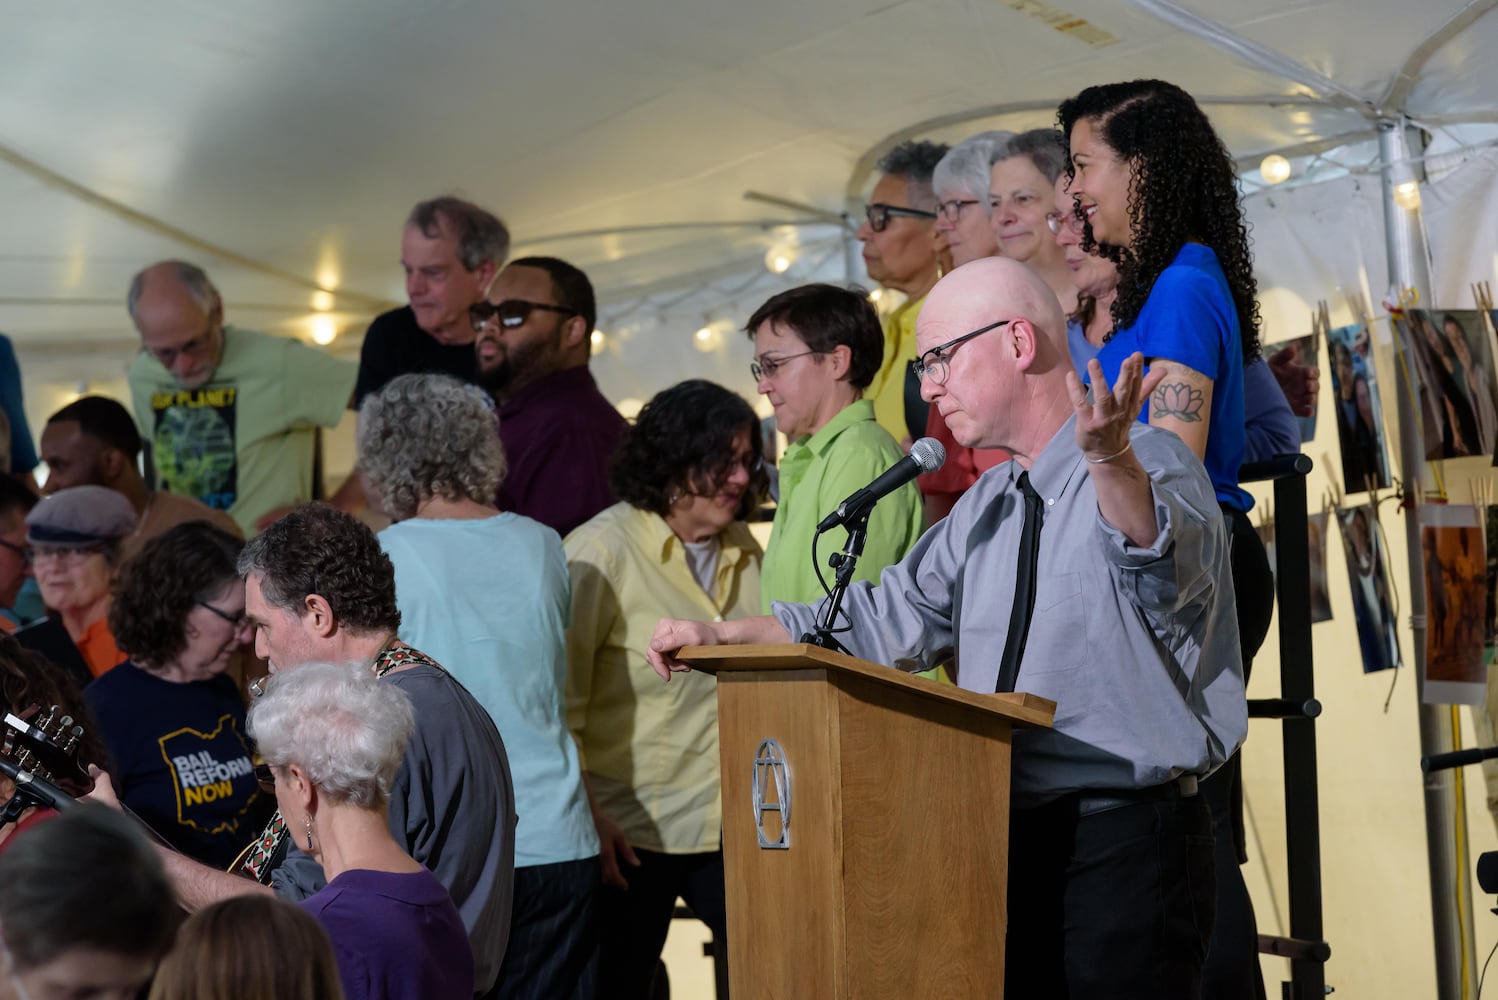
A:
[261,858]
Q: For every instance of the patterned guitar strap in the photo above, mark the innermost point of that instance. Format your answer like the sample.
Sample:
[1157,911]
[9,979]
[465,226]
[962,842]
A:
[257,860]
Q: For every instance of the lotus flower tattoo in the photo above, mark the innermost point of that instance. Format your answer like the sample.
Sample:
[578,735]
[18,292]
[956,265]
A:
[1179,400]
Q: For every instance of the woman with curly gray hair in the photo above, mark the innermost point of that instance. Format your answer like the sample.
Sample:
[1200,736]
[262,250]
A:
[487,594]
[333,737]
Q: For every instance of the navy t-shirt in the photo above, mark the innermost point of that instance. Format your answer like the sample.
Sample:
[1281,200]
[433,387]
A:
[1190,318]
[395,345]
[180,761]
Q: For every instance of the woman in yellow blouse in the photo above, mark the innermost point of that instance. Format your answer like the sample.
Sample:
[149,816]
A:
[687,475]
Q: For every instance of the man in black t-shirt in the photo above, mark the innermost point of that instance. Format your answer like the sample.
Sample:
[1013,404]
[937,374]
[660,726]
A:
[450,249]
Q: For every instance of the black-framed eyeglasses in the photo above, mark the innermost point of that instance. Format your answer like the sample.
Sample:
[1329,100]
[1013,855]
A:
[265,776]
[239,621]
[935,364]
[767,367]
[1060,222]
[511,312]
[19,550]
[878,214]
[951,209]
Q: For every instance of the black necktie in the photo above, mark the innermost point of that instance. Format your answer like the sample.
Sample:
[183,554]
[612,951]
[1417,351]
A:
[1024,587]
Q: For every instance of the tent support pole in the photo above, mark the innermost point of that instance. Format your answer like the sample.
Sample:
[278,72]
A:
[1445,826]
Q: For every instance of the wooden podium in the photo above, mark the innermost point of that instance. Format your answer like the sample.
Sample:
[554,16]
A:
[865,826]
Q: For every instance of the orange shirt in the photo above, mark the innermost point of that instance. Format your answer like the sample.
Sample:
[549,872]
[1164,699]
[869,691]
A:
[98,648]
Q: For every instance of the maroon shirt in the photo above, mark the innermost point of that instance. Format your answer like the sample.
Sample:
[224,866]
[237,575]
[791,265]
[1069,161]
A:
[560,435]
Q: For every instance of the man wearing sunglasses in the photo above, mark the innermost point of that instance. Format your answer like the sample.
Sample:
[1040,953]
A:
[534,335]
[1091,570]
[231,415]
[900,252]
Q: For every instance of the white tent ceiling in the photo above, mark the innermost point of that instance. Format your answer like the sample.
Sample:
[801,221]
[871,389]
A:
[280,143]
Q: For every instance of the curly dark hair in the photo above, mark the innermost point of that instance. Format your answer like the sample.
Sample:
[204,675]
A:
[826,317]
[1184,189]
[682,441]
[158,588]
[28,679]
[318,549]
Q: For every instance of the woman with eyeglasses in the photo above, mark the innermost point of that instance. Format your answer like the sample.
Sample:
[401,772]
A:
[961,185]
[484,592]
[74,538]
[172,720]
[688,474]
[1022,184]
[816,349]
[333,738]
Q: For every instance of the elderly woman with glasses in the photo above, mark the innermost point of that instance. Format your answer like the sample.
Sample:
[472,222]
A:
[961,182]
[74,537]
[687,474]
[333,738]
[485,593]
[171,719]
[816,349]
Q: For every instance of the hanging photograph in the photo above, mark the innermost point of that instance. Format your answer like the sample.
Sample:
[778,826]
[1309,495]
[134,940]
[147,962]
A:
[1360,425]
[1372,601]
[1454,366]
[1305,351]
[1490,611]
[1456,597]
[1321,599]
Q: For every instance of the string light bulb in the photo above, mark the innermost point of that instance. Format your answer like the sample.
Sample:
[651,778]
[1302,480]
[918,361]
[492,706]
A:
[1407,195]
[1275,169]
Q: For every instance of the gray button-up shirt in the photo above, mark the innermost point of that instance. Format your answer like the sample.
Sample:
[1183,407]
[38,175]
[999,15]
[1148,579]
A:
[1138,647]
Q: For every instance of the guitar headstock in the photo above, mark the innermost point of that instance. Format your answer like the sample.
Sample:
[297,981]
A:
[48,745]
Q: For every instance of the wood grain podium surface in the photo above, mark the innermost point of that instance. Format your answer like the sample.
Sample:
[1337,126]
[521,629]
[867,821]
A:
[895,877]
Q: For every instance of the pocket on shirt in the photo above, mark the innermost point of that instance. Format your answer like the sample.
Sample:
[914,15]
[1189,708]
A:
[1058,629]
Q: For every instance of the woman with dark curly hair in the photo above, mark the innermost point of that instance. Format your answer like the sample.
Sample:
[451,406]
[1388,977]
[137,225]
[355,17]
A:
[171,720]
[687,475]
[1158,194]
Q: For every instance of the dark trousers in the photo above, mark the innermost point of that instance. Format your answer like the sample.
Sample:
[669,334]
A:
[1114,905]
[553,950]
[634,924]
[1232,969]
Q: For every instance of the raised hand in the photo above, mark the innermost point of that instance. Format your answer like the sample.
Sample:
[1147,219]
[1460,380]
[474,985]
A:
[1105,421]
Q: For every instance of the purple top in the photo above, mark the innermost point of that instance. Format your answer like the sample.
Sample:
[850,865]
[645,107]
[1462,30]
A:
[396,936]
[559,435]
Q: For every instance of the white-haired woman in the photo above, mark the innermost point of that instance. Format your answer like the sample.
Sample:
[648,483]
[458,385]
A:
[961,185]
[1021,193]
[487,594]
[333,737]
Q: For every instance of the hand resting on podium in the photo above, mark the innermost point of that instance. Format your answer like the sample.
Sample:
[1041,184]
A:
[671,634]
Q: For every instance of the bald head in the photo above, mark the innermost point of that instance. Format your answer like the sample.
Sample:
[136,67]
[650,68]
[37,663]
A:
[180,318]
[1005,388]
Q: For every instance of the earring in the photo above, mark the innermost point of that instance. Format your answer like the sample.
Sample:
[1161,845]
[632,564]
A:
[309,833]
[673,499]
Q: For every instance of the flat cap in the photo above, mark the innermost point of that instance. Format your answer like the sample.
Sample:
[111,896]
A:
[80,517]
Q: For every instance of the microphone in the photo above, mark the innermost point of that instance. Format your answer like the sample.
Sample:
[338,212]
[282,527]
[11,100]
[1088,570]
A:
[926,455]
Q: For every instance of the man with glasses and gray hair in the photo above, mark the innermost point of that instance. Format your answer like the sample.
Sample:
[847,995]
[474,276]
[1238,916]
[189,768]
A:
[900,252]
[231,415]
[534,335]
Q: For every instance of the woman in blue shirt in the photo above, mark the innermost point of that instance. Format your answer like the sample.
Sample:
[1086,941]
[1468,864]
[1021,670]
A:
[1158,194]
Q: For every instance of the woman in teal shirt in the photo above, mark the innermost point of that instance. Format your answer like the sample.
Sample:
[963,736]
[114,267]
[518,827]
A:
[816,348]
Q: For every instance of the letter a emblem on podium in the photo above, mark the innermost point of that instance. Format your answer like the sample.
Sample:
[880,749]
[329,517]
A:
[771,788]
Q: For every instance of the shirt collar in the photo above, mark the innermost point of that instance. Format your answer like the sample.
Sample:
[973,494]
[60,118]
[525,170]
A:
[736,540]
[1059,467]
[567,380]
[821,441]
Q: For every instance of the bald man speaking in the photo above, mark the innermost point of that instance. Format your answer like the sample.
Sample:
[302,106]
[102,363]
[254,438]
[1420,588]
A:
[1096,561]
